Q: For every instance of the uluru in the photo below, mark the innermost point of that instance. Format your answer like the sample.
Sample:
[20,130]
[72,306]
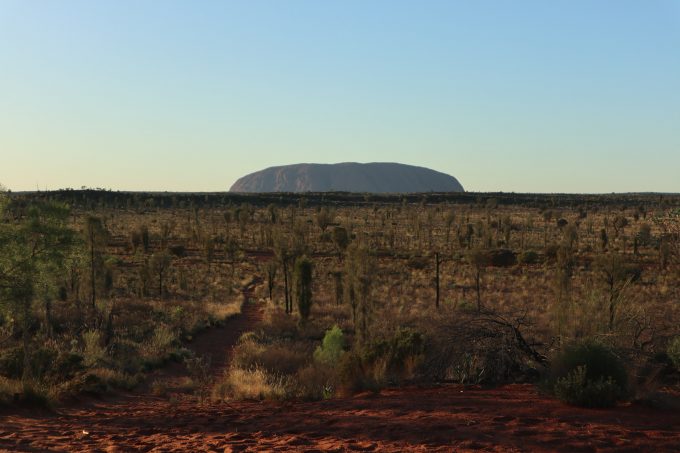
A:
[376,177]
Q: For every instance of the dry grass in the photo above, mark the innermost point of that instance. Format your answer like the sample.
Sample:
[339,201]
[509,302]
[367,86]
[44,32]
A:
[9,388]
[221,311]
[255,383]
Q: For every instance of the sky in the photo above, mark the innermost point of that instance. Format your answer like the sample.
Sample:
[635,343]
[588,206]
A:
[514,96]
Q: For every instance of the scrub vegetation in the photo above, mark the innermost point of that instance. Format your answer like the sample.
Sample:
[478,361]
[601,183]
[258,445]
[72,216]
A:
[359,292]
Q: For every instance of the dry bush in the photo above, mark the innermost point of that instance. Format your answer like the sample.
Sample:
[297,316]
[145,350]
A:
[255,383]
[277,324]
[9,388]
[220,311]
[278,358]
[479,347]
[315,382]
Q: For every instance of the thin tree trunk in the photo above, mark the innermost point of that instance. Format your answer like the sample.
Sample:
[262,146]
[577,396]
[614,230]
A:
[285,283]
[92,267]
[26,374]
[477,288]
[436,259]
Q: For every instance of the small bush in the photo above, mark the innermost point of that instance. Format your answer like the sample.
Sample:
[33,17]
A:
[255,383]
[395,358]
[8,388]
[551,251]
[529,257]
[589,374]
[159,388]
[673,352]
[352,377]
[220,312]
[277,324]
[67,365]
[12,363]
[315,382]
[102,380]
[36,395]
[277,358]
[502,258]
[93,352]
[45,363]
[331,348]
[575,388]
[42,361]
[163,338]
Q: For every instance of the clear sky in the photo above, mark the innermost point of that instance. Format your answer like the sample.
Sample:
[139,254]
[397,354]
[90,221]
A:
[524,96]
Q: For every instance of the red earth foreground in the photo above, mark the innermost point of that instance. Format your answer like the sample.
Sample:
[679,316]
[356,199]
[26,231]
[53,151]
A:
[445,418]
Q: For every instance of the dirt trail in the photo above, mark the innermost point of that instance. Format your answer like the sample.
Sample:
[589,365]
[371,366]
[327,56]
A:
[216,344]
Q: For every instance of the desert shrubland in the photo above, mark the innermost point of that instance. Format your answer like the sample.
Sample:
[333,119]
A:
[470,288]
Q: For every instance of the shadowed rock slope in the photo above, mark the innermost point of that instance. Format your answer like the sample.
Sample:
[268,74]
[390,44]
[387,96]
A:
[347,177]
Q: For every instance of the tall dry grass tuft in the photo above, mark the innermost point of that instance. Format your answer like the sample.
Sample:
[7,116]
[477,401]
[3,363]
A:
[254,383]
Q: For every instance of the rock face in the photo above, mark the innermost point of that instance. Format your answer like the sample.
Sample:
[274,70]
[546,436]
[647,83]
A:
[347,177]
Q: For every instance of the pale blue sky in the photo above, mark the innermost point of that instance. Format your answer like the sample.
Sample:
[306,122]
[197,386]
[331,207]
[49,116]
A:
[524,96]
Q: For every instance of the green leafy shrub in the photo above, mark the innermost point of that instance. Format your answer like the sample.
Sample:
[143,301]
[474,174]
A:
[332,347]
[589,374]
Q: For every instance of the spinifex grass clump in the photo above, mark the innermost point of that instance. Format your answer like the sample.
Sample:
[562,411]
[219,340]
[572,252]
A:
[589,374]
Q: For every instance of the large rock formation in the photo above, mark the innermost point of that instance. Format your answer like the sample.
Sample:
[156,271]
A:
[347,177]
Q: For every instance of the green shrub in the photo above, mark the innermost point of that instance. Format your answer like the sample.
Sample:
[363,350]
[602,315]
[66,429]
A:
[383,361]
[673,352]
[67,366]
[351,375]
[42,360]
[577,389]
[529,257]
[392,357]
[35,395]
[44,363]
[589,374]
[12,363]
[332,347]
[93,351]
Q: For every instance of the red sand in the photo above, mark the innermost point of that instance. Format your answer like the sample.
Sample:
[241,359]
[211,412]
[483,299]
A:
[447,418]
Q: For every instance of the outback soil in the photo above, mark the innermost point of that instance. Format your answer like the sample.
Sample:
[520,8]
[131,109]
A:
[443,418]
